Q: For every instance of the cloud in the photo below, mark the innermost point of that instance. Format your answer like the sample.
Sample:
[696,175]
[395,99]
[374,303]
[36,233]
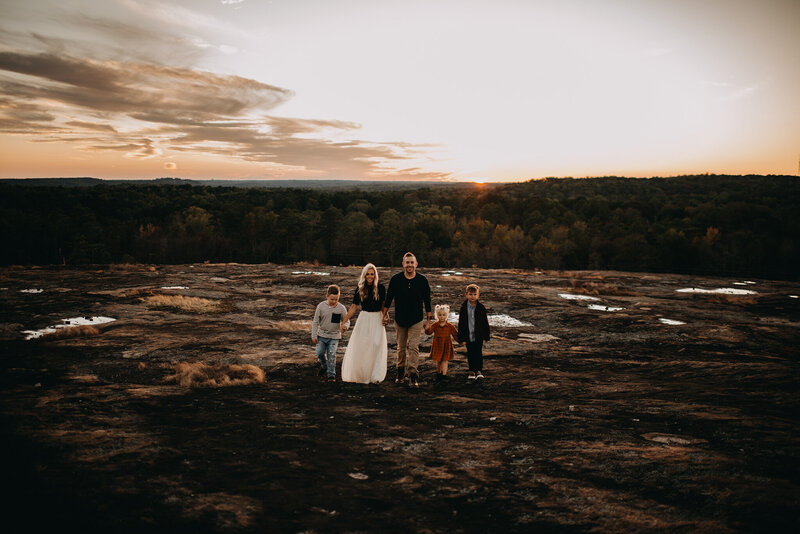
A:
[142,109]
[131,87]
[91,126]
[170,165]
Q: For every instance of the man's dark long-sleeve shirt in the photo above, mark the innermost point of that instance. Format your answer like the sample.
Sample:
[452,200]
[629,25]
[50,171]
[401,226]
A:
[410,296]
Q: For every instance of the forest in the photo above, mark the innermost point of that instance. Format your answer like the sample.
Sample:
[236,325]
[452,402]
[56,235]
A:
[706,224]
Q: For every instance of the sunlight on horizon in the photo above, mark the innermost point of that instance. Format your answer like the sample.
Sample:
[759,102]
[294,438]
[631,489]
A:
[467,91]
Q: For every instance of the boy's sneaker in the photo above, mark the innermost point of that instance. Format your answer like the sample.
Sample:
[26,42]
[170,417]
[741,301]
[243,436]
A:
[331,379]
[480,375]
[471,376]
[413,382]
[401,375]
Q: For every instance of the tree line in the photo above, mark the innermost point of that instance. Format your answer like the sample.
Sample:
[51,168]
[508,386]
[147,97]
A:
[723,225]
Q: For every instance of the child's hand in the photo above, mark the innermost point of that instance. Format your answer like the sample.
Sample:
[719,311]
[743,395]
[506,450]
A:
[342,328]
[313,341]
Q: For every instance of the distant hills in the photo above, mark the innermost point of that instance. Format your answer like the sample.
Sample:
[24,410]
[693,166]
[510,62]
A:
[268,184]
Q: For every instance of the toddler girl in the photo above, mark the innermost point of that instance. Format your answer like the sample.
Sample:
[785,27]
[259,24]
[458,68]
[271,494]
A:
[442,348]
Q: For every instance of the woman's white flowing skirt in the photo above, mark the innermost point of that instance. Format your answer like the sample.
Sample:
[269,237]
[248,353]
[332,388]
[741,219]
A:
[366,353]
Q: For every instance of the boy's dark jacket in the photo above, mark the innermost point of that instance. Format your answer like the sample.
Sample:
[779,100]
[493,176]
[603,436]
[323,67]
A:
[481,323]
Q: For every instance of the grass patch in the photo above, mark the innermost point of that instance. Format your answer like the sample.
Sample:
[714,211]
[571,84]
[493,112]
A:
[598,288]
[201,375]
[736,300]
[188,304]
[72,331]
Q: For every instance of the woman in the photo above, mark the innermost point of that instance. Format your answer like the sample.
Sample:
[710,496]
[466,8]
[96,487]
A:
[365,356]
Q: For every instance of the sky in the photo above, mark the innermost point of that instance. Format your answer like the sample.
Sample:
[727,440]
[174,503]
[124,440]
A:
[468,90]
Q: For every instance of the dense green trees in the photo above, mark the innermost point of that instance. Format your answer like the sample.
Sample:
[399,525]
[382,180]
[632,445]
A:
[729,225]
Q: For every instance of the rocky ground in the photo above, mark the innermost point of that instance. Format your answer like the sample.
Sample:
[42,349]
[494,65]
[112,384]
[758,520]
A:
[601,420]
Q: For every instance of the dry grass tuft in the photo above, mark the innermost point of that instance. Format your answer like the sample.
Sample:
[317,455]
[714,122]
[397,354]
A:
[131,267]
[72,331]
[291,326]
[199,374]
[179,302]
[597,288]
[737,300]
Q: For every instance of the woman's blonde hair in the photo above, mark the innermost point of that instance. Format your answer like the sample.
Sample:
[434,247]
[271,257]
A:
[362,282]
[441,307]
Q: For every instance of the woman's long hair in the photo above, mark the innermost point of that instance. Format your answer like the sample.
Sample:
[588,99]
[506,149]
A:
[362,282]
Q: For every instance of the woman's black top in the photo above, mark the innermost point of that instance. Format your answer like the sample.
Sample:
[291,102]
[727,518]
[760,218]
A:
[370,304]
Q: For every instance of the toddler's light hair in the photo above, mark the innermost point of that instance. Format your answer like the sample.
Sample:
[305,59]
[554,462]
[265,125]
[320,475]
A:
[443,308]
[473,288]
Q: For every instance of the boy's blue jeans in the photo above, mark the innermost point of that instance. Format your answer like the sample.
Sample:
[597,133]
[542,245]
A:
[326,353]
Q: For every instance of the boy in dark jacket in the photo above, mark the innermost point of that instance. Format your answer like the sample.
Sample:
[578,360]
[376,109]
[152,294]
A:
[473,328]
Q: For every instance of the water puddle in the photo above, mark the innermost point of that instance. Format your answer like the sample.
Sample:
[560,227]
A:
[600,307]
[451,273]
[66,323]
[670,321]
[34,291]
[719,290]
[793,296]
[174,287]
[315,273]
[570,296]
[495,320]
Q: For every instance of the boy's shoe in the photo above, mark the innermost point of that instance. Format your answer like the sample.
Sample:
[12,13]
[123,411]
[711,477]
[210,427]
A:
[471,376]
[401,375]
[480,375]
[331,379]
[413,380]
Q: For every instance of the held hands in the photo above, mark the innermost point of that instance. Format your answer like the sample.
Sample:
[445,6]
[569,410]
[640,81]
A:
[313,341]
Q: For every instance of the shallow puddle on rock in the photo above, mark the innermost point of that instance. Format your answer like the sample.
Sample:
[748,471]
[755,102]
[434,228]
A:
[500,319]
[670,321]
[599,307]
[66,323]
[719,290]
[570,296]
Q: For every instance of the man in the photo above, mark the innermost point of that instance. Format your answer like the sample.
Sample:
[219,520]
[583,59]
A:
[410,291]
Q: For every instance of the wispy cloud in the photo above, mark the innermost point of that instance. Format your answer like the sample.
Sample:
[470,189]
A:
[141,110]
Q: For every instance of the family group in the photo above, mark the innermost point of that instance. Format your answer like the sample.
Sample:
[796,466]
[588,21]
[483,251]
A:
[365,358]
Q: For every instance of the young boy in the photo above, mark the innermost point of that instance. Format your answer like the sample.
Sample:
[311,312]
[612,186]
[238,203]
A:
[473,328]
[326,331]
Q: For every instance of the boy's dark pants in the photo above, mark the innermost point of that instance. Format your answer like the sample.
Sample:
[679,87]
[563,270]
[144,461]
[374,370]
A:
[475,355]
